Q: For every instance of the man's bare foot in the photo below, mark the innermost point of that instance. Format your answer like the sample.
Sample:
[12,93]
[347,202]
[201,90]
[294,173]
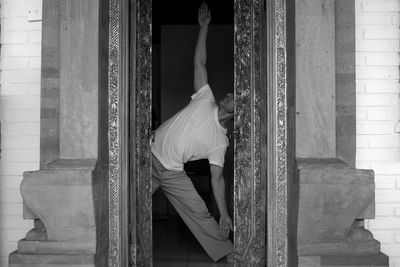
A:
[229,258]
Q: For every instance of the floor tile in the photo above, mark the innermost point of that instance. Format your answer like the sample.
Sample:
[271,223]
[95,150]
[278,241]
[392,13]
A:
[169,258]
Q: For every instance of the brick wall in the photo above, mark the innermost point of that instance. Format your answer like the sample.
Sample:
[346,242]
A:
[19,114]
[378,114]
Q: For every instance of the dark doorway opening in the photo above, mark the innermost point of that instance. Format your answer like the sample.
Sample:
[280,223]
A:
[174,36]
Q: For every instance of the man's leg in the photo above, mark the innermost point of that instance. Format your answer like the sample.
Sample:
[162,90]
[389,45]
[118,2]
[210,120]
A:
[190,206]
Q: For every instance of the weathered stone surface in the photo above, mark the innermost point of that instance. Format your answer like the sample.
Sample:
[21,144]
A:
[307,261]
[332,196]
[380,260]
[17,259]
[339,248]
[63,200]
[79,80]
[315,79]
[55,247]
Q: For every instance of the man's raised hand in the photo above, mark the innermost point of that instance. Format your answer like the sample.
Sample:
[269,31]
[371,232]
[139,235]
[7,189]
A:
[204,14]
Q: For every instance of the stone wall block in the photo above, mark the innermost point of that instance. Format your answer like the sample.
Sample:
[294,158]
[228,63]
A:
[64,202]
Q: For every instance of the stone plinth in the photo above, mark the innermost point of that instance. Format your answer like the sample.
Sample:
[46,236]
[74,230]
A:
[333,201]
[63,196]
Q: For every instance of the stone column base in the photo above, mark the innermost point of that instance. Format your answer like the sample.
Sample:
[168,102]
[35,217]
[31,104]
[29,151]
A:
[18,259]
[379,260]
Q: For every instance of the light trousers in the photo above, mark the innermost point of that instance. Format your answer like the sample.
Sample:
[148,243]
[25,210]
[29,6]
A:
[179,190]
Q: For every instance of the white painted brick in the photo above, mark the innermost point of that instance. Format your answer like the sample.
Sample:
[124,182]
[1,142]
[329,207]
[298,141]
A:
[384,237]
[14,63]
[11,181]
[35,143]
[35,37]
[385,182]
[384,223]
[19,111]
[381,33]
[22,76]
[20,102]
[375,73]
[362,141]
[375,155]
[375,45]
[397,212]
[17,168]
[390,249]
[360,59]
[15,222]
[360,87]
[385,168]
[35,116]
[20,156]
[25,50]
[379,6]
[382,87]
[23,129]
[380,59]
[385,209]
[374,127]
[15,234]
[13,11]
[389,141]
[397,155]
[18,89]
[361,114]
[18,116]
[396,19]
[15,142]
[34,90]
[374,19]
[13,209]
[14,90]
[13,37]
[35,63]
[11,196]
[398,183]
[20,24]
[384,114]
[371,100]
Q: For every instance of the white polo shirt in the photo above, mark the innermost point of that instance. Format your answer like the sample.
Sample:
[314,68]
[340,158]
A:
[191,134]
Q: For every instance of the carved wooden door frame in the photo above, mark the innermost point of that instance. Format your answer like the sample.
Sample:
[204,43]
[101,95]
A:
[256,51]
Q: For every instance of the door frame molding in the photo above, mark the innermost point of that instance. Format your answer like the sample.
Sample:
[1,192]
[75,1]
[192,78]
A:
[276,120]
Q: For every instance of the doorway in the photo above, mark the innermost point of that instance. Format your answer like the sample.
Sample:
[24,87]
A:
[174,35]
[259,134]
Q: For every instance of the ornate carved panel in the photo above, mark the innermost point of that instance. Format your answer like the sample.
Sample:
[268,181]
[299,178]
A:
[249,191]
[114,134]
[143,208]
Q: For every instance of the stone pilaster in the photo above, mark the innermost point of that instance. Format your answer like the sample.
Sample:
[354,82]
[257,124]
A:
[67,197]
[334,197]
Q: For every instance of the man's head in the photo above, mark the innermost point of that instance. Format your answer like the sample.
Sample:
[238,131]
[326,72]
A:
[226,104]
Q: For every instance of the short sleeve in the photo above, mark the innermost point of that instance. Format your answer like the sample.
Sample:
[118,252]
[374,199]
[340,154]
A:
[217,156]
[204,93]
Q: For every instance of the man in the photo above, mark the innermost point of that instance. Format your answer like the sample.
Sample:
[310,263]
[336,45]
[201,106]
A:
[198,131]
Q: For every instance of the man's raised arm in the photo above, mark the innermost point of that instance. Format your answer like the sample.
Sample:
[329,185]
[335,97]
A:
[200,54]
